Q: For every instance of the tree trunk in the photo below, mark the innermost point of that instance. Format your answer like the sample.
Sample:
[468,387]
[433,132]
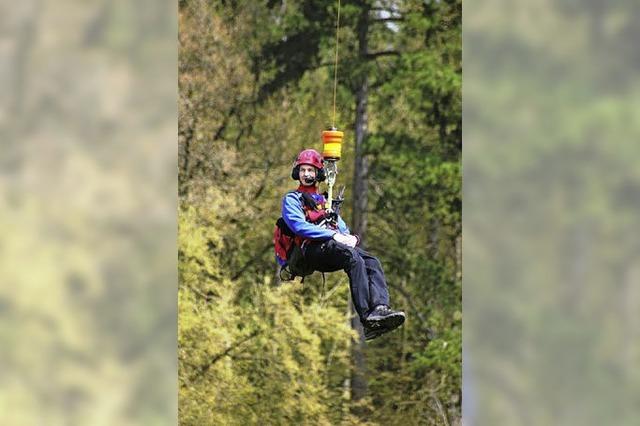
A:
[358,377]
[361,170]
[358,361]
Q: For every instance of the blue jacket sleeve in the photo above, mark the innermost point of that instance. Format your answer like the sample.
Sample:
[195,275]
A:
[293,215]
[342,227]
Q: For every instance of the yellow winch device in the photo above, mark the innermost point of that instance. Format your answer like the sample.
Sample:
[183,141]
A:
[332,142]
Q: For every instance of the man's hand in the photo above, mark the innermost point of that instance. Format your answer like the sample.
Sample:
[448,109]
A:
[348,240]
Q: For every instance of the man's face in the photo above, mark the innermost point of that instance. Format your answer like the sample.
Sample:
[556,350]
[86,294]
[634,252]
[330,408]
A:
[307,175]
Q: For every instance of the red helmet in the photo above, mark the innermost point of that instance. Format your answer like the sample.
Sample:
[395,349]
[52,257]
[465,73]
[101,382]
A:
[310,157]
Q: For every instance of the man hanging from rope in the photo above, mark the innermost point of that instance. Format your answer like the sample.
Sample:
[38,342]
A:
[328,246]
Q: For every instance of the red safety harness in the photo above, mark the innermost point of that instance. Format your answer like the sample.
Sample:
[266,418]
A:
[287,245]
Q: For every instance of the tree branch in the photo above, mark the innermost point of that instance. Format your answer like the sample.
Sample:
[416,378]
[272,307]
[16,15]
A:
[384,9]
[204,368]
[218,134]
[264,180]
[373,55]
[207,297]
[409,299]
[407,296]
[251,261]
[200,263]
[389,19]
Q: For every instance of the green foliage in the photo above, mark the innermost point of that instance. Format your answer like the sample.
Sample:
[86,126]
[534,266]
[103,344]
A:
[276,360]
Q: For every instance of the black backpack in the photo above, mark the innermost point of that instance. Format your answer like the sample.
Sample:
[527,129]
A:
[295,265]
[288,250]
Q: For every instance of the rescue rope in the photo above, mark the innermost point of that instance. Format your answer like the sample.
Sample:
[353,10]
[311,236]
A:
[335,68]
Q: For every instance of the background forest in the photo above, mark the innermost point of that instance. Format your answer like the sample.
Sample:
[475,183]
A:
[256,87]
[88,186]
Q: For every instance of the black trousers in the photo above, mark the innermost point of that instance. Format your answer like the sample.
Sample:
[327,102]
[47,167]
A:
[366,279]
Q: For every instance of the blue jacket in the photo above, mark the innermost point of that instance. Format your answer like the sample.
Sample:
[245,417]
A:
[293,215]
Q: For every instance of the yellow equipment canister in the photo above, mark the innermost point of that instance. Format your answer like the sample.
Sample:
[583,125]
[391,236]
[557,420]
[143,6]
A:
[332,140]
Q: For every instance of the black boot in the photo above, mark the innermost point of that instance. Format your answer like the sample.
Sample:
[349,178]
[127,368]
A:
[372,333]
[382,320]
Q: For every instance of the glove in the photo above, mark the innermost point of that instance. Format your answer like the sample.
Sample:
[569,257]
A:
[348,240]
